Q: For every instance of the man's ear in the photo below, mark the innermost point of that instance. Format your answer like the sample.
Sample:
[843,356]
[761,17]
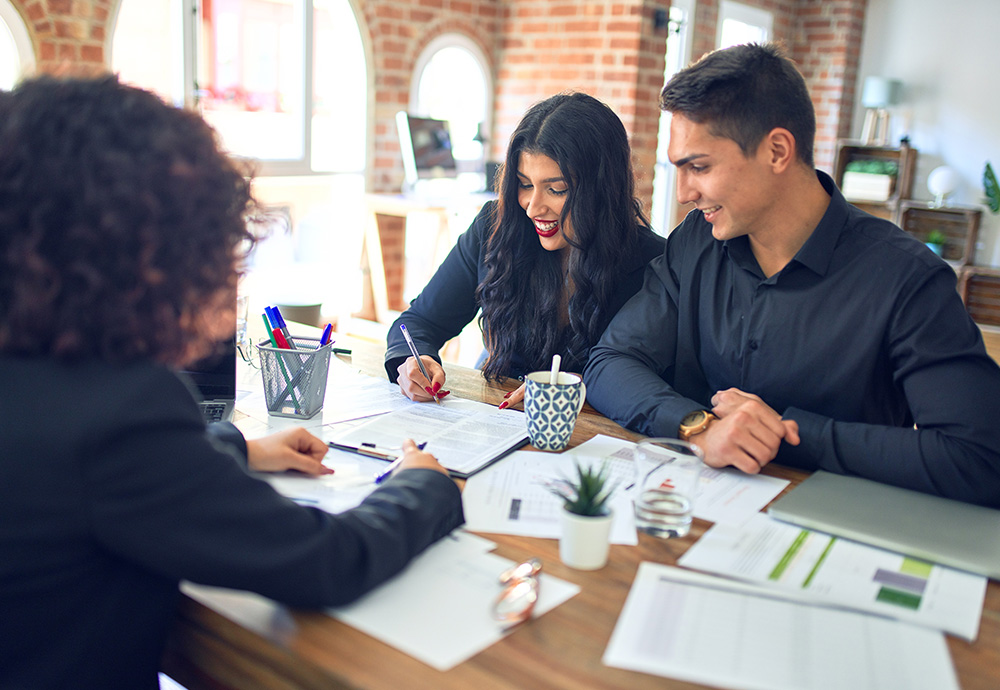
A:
[781,151]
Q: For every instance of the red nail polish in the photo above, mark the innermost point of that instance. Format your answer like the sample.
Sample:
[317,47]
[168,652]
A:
[507,394]
[504,404]
[437,387]
[441,394]
[428,389]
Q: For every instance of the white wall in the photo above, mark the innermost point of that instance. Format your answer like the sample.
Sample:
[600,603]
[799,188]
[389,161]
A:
[945,53]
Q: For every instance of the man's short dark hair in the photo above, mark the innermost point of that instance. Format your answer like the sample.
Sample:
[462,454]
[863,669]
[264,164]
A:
[744,92]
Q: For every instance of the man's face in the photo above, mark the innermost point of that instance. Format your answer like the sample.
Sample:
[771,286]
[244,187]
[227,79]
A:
[735,193]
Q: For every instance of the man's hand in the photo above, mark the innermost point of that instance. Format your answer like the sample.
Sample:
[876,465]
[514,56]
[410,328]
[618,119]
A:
[291,449]
[747,433]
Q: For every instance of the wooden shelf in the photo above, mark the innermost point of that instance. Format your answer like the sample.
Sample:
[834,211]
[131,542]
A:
[979,287]
[959,224]
[905,158]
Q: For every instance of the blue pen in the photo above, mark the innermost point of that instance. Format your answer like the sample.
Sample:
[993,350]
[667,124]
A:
[282,326]
[382,476]
[326,335]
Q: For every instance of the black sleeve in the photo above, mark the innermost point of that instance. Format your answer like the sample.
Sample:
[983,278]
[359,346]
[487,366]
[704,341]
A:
[164,496]
[448,302]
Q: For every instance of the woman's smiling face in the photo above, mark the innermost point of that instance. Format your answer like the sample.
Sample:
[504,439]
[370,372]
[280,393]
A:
[542,190]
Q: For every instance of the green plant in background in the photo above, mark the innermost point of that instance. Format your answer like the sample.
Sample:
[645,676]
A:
[588,493]
[991,188]
[936,237]
[873,166]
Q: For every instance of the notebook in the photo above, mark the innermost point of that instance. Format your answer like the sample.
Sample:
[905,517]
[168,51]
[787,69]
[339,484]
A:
[927,527]
[215,379]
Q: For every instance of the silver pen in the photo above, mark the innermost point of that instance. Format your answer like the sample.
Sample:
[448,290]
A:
[416,355]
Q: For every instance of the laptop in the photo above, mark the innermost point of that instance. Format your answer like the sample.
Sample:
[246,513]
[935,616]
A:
[931,528]
[215,379]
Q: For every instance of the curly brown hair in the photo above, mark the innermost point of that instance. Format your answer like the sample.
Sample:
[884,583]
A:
[120,223]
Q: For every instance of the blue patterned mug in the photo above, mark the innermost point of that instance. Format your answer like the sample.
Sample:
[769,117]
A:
[552,410]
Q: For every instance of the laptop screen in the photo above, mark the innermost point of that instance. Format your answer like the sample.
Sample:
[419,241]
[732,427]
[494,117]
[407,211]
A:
[215,376]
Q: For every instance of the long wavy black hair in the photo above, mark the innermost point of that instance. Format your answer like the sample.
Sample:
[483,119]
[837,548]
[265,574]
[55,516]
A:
[523,295]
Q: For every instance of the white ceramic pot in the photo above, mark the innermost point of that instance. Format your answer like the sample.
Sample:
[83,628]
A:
[584,540]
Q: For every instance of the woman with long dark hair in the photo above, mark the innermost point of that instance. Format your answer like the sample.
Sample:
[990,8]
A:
[549,263]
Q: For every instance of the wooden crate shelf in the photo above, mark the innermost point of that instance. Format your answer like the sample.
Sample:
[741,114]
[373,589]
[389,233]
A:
[979,287]
[959,224]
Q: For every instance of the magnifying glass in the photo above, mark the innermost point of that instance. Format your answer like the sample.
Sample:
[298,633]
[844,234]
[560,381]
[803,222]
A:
[520,592]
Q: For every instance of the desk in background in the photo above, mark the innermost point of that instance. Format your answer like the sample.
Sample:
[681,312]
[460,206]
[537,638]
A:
[288,649]
[385,241]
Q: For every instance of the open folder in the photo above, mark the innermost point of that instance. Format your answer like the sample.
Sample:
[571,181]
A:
[931,528]
[465,436]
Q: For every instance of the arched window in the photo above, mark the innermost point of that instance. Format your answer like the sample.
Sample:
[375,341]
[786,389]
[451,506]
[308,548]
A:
[283,82]
[448,60]
[295,69]
[17,57]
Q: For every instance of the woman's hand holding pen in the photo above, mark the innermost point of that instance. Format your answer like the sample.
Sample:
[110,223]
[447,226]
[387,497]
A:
[291,449]
[415,386]
[513,397]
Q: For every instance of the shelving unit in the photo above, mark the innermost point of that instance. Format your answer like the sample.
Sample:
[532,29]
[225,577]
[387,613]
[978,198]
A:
[959,224]
[979,287]
[905,158]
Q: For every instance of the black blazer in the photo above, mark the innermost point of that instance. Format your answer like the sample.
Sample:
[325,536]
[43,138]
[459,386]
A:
[448,302]
[111,492]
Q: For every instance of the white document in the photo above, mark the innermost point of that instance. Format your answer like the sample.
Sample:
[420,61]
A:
[353,479]
[726,495]
[349,395]
[855,575]
[439,610]
[463,435]
[511,497]
[726,634]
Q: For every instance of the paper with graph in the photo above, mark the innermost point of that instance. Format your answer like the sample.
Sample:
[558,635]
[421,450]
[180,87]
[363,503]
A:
[858,576]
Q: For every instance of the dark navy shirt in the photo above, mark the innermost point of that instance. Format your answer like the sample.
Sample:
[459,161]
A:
[859,338]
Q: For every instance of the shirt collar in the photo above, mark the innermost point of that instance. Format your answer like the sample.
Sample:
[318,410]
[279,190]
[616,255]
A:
[817,252]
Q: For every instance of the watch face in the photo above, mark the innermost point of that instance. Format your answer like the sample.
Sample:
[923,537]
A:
[693,418]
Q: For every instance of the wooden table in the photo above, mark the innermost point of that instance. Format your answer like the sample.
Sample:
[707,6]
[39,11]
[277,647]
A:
[562,649]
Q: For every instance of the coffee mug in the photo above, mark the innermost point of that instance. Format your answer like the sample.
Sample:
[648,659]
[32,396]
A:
[552,409]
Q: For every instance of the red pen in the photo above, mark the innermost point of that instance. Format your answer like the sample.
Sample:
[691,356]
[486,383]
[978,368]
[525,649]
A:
[279,338]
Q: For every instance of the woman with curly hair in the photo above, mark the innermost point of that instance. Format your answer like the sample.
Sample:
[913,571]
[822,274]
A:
[549,263]
[121,229]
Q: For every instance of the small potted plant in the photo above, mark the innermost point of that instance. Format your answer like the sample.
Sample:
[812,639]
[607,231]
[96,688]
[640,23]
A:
[869,179]
[936,241]
[586,517]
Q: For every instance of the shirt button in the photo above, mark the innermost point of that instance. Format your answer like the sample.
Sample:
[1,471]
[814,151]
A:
[753,346]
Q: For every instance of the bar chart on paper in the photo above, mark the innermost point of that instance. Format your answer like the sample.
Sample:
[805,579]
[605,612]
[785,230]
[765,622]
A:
[815,564]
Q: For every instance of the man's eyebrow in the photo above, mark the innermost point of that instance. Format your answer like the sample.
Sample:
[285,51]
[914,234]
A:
[685,161]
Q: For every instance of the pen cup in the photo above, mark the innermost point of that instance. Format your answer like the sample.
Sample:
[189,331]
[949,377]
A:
[294,380]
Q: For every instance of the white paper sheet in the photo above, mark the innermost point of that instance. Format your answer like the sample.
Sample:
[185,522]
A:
[703,629]
[775,553]
[462,434]
[726,496]
[510,497]
[439,609]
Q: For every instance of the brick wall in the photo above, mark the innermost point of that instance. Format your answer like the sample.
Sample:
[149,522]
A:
[607,48]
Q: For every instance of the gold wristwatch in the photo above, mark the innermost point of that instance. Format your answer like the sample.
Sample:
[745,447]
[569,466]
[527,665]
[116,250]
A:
[694,423]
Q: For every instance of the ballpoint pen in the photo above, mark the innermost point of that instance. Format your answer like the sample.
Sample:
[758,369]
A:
[384,474]
[364,449]
[416,355]
[326,335]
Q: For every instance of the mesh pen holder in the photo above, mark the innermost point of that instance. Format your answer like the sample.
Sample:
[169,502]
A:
[294,380]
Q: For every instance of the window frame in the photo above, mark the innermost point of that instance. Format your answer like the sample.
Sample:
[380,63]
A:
[18,27]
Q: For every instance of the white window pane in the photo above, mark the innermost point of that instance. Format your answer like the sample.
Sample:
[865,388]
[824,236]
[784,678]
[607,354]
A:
[10,64]
[251,76]
[464,108]
[144,54]
[340,89]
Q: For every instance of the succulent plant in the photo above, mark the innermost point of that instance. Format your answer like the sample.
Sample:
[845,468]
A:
[588,492]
